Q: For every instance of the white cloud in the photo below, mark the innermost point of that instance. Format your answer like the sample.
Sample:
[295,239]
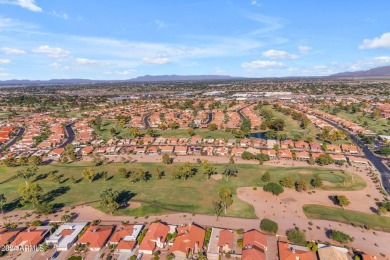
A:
[54,52]
[58,66]
[304,49]
[279,55]
[28,4]
[382,59]
[84,61]
[369,63]
[123,73]
[4,61]
[7,50]
[261,64]
[160,24]
[379,42]
[162,60]
[219,70]
[4,74]
[60,15]
[255,3]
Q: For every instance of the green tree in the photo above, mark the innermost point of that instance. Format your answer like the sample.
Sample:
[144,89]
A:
[123,173]
[218,208]
[28,173]
[191,131]
[342,200]
[208,169]
[269,226]
[89,174]
[245,126]
[287,182]
[266,177]
[212,127]
[296,236]
[166,159]
[274,188]
[301,185]
[44,208]
[139,175]
[324,159]
[158,174]
[30,193]
[230,170]
[316,182]
[3,200]
[340,236]
[109,200]
[226,197]
[381,210]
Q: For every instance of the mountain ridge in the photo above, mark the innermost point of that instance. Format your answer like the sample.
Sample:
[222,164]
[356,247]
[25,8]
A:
[373,72]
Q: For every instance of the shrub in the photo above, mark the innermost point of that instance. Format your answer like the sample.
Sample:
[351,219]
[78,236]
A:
[269,226]
[239,242]
[287,182]
[296,236]
[340,236]
[274,188]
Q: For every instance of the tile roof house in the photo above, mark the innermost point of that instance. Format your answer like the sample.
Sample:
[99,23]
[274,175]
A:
[302,155]
[302,145]
[237,151]
[285,154]
[221,240]
[315,147]
[332,252]
[293,252]
[352,149]
[96,236]
[255,245]
[155,237]
[285,144]
[181,150]
[124,237]
[7,235]
[189,240]
[32,236]
[65,236]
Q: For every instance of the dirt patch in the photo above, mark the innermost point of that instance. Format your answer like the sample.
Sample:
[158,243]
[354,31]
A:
[217,177]
[134,205]
[288,200]
[305,172]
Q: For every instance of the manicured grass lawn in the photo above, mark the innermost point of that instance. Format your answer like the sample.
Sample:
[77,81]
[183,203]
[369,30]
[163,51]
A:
[292,126]
[204,133]
[347,216]
[106,135]
[379,126]
[194,195]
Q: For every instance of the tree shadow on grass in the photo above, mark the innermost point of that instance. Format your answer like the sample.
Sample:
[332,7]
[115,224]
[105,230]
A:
[12,205]
[124,197]
[51,195]
[333,199]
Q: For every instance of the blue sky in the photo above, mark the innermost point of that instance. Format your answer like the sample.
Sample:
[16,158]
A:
[121,39]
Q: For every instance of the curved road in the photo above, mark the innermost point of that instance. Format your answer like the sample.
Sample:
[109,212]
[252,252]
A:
[375,160]
[210,118]
[146,121]
[15,139]
[70,136]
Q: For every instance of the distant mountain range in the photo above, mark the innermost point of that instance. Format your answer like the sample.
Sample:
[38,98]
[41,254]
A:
[375,72]
[146,78]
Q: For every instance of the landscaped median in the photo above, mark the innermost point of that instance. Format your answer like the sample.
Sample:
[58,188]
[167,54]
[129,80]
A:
[372,221]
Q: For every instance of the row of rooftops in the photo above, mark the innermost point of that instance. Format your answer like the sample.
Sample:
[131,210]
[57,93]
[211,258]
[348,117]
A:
[188,240]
